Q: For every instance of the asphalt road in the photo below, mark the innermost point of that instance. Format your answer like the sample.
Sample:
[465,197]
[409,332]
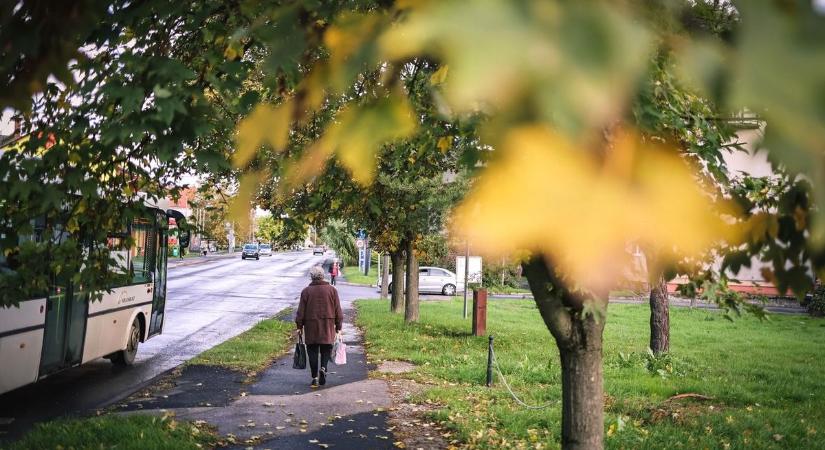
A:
[208,302]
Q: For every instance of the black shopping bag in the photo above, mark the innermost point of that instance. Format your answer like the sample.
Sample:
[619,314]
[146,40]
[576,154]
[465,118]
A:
[299,359]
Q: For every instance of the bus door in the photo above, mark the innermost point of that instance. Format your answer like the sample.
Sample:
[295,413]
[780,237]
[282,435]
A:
[159,292]
[65,327]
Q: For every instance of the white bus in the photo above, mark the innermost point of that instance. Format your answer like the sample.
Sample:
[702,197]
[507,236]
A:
[63,329]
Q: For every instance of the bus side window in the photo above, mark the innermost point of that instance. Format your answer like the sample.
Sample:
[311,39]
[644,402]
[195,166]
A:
[119,253]
[140,261]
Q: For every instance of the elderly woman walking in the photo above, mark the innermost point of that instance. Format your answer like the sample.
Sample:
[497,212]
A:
[319,318]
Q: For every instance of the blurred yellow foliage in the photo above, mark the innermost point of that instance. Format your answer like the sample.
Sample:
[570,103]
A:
[577,60]
[355,136]
[266,124]
[241,205]
[548,195]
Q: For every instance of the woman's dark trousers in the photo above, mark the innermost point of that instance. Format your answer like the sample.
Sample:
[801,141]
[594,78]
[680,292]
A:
[312,354]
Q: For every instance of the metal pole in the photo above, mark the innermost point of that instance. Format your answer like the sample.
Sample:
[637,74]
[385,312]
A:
[490,362]
[466,274]
[367,258]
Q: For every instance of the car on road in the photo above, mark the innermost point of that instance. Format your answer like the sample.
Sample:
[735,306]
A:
[265,250]
[318,250]
[433,280]
[250,251]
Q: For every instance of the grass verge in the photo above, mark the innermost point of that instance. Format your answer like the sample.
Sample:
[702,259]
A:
[765,378]
[355,276]
[137,432]
[253,349]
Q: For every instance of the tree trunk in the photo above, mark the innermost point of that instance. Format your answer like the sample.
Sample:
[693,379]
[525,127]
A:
[385,275]
[397,299]
[659,318]
[582,407]
[411,307]
[578,337]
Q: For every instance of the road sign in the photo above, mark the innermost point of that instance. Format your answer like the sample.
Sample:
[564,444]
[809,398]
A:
[359,243]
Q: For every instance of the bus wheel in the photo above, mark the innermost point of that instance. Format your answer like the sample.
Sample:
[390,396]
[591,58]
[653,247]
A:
[127,357]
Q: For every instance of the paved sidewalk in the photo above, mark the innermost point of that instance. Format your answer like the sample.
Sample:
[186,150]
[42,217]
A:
[280,410]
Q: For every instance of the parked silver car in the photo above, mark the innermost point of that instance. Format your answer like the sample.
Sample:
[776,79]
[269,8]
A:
[433,280]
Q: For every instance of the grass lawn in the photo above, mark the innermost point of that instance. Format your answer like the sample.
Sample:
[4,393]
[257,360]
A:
[353,275]
[253,349]
[766,379]
[122,432]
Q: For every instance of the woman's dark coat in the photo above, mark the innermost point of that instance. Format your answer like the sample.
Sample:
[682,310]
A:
[319,313]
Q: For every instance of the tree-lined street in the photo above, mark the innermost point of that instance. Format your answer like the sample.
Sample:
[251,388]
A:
[570,150]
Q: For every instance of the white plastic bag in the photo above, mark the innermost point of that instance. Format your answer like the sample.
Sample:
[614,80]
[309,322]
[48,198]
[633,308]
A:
[339,351]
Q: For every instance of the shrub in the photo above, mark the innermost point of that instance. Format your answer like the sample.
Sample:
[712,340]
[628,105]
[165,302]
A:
[816,305]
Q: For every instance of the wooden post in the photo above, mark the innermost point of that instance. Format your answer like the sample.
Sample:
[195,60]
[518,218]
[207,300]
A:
[479,312]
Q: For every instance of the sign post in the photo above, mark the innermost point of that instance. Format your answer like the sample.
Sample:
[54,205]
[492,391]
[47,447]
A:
[360,244]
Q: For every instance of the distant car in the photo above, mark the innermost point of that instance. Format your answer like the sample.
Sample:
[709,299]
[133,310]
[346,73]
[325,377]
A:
[319,250]
[433,280]
[265,250]
[250,251]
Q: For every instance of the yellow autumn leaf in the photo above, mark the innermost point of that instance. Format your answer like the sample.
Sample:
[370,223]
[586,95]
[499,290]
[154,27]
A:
[439,76]
[355,137]
[346,41]
[761,225]
[241,204]
[545,194]
[444,143]
[266,124]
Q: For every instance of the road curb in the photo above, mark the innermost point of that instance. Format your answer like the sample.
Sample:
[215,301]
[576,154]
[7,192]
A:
[197,261]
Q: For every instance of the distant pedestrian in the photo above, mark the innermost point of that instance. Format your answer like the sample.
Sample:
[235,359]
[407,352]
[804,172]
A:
[333,272]
[320,319]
